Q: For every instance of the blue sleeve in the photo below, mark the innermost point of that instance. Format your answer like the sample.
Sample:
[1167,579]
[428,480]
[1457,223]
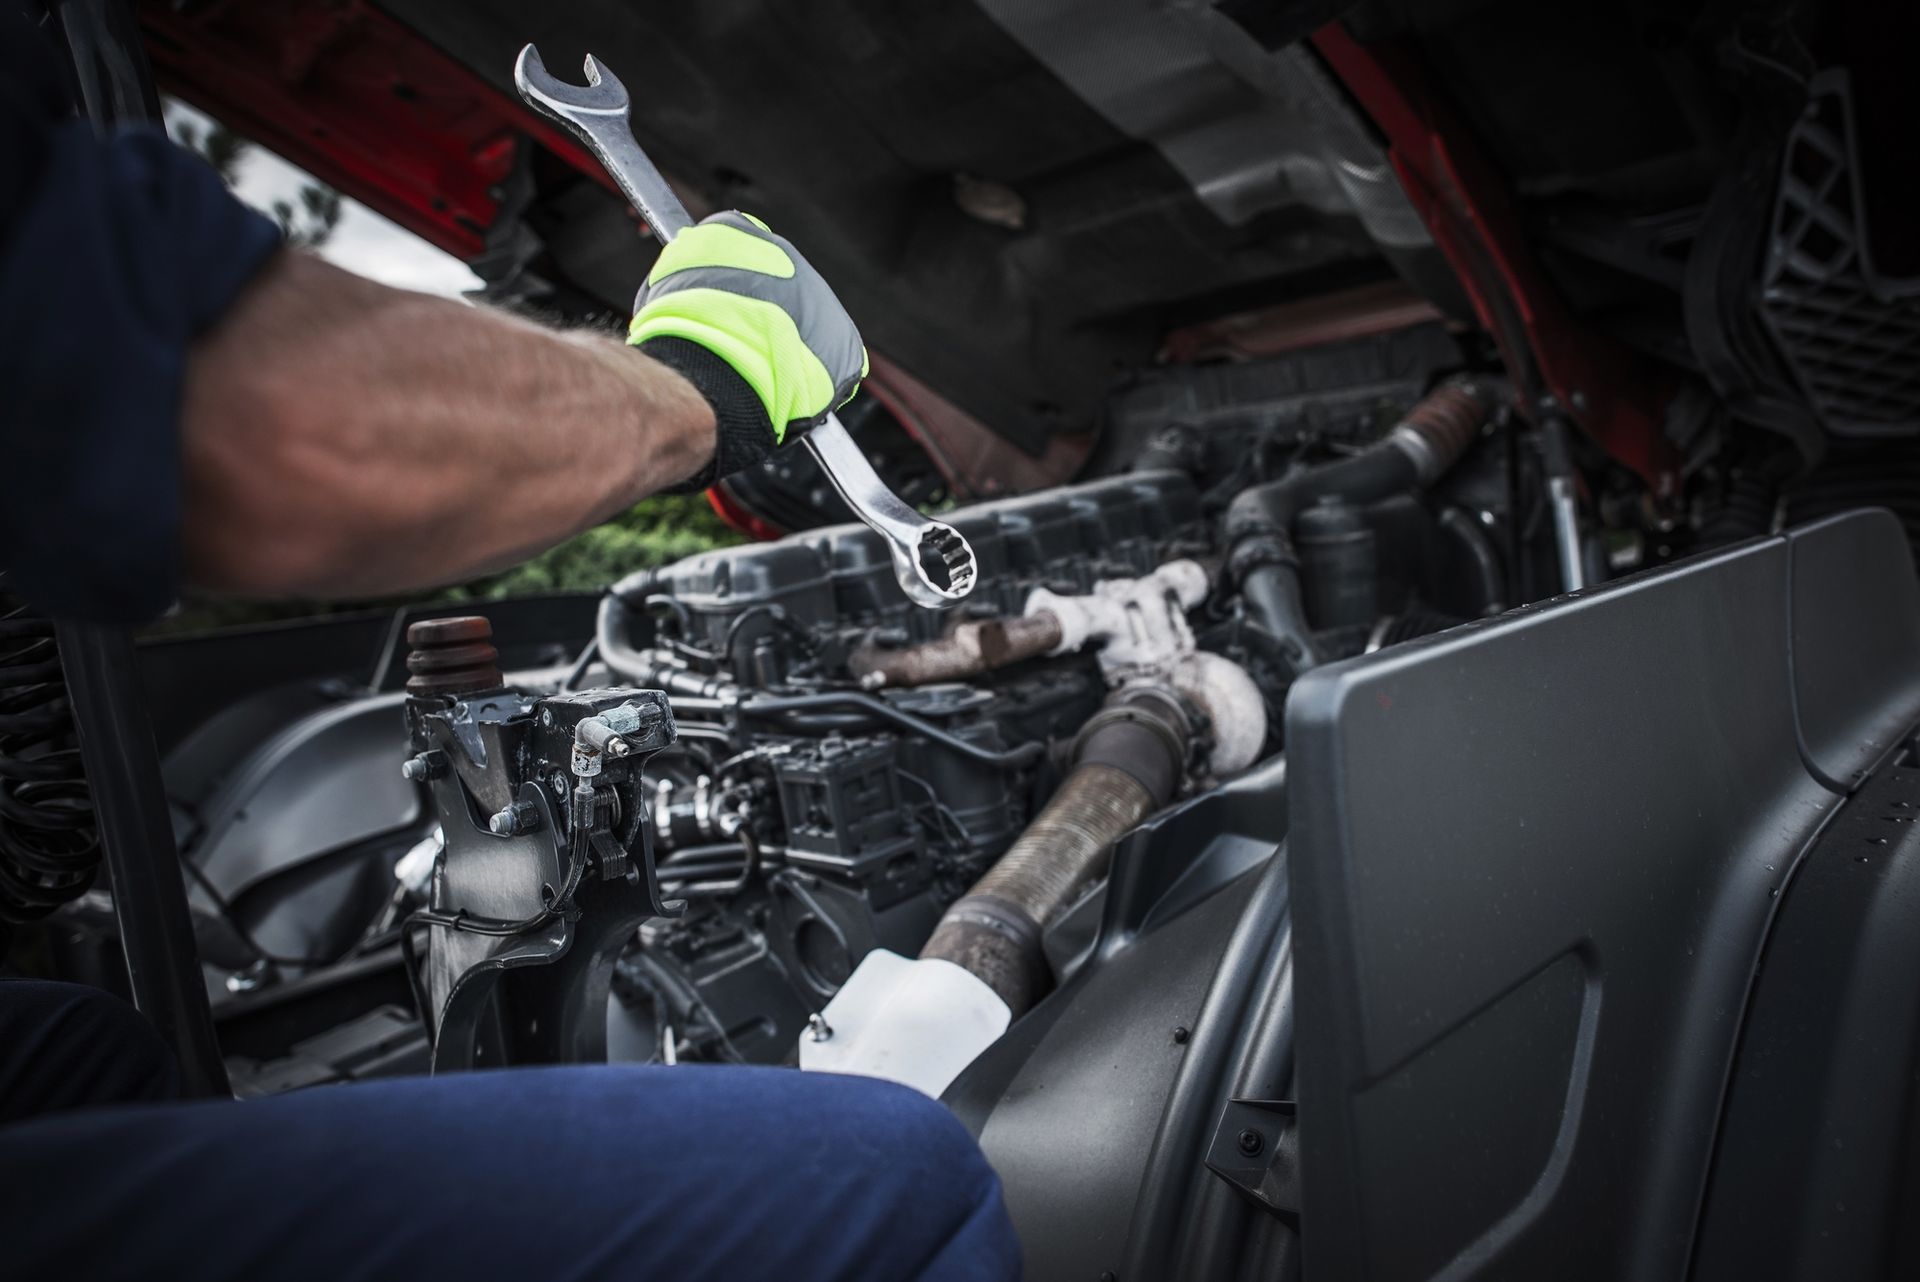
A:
[114,256]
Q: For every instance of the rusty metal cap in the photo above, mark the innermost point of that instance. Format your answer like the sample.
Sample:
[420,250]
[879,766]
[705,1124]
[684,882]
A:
[452,656]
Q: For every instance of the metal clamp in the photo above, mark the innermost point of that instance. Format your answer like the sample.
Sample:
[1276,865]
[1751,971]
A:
[932,560]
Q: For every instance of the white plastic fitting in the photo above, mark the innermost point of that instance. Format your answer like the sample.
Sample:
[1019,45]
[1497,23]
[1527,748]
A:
[1139,623]
[1141,628]
[917,1021]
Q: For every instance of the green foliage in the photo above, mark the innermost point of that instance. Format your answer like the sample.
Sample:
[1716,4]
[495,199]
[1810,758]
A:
[310,224]
[218,145]
[307,223]
[661,529]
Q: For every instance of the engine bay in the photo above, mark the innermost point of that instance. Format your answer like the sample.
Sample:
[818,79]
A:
[834,771]
[1420,601]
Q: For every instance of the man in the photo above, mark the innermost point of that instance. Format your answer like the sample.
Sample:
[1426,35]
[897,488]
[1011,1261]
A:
[188,403]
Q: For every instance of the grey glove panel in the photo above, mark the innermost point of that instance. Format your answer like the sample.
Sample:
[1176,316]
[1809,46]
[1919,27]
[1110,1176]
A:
[822,322]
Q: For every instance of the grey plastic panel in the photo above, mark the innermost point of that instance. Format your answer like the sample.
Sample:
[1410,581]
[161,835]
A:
[1817,1174]
[328,781]
[1072,1129]
[1534,861]
[1856,640]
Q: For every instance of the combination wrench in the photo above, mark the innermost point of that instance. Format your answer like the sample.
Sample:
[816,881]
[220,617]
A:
[597,114]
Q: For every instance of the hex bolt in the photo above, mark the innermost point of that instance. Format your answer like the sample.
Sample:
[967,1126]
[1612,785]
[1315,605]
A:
[1251,1143]
[256,976]
[514,820]
[422,766]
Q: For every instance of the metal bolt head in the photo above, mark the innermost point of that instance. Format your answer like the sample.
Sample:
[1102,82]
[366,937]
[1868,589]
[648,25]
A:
[618,747]
[1251,1143]
[252,979]
[422,766]
[1180,1035]
[515,819]
[818,1028]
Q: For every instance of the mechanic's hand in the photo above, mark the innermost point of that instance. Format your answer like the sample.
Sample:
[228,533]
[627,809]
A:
[742,316]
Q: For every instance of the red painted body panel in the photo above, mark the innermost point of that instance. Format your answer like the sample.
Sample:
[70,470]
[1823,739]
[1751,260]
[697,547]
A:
[360,102]
[1618,396]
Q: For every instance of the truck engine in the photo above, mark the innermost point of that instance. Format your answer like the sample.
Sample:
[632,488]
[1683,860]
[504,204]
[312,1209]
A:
[842,772]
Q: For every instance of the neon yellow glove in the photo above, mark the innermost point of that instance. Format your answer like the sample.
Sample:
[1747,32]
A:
[744,318]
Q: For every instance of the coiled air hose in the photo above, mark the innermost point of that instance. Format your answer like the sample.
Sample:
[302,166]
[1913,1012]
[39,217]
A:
[49,841]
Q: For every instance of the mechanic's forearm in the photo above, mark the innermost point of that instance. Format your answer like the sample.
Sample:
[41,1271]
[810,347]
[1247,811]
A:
[342,438]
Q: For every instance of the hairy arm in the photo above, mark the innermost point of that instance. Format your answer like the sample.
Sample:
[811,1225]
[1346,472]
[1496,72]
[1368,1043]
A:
[341,438]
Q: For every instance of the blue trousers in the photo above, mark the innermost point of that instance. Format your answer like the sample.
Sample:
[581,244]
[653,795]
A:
[554,1173]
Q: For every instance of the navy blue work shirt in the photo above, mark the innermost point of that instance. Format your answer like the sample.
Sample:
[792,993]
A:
[114,256]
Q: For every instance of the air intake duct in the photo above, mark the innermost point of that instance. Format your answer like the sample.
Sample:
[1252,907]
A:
[1259,530]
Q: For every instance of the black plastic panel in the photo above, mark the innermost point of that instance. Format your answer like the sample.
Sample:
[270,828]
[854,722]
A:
[1534,862]
[1072,1127]
[1855,642]
[1818,1171]
[1073,1104]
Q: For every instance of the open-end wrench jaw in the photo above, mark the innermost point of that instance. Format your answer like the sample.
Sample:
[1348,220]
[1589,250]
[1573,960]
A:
[602,95]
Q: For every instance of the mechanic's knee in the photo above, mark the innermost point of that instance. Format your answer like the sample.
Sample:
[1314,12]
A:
[919,1151]
[66,1046]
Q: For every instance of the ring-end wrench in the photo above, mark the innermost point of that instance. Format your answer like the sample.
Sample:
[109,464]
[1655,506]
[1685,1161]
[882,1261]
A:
[932,561]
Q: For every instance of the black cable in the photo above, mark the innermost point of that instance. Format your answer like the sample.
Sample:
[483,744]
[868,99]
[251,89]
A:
[690,995]
[780,618]
[580,665]
[940,808]
[750,865]
[713,854]
[562,905]
[1012,759]
[389,650]
[684,617]
[410,960]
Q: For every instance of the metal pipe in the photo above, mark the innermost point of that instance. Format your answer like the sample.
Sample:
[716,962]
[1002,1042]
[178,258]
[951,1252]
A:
[1563,498]
[136,837]
[109,711]
[109,61]
[1062,849]
[1128,761]
[967,651]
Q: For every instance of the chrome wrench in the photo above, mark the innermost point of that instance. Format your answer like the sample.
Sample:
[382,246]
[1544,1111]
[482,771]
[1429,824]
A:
[924,552]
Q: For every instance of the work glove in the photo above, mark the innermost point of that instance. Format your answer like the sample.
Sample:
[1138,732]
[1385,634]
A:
[743,317]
